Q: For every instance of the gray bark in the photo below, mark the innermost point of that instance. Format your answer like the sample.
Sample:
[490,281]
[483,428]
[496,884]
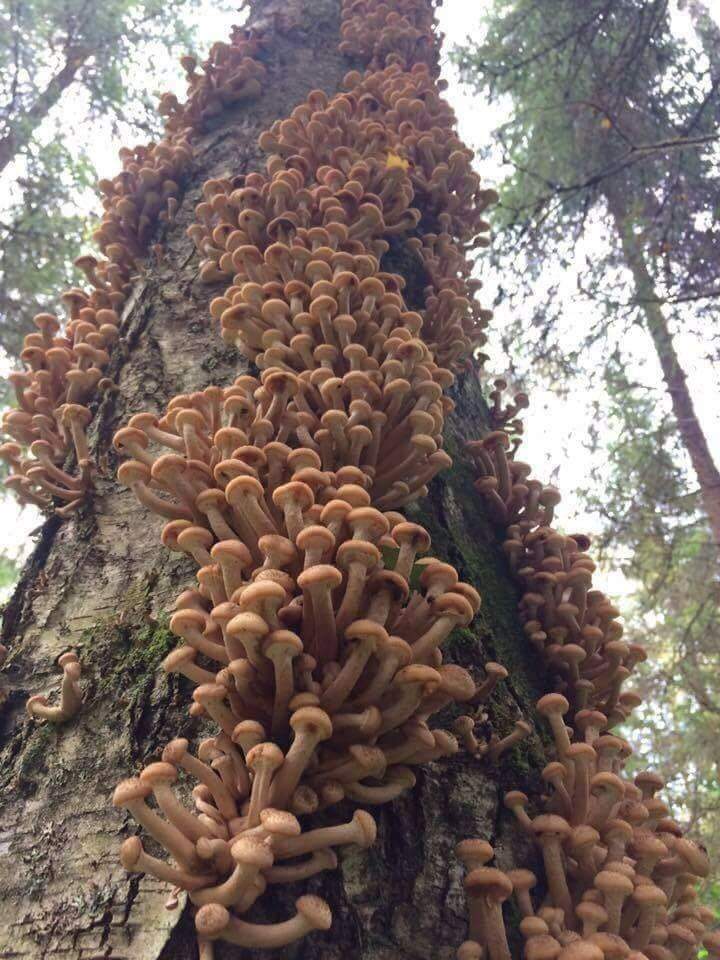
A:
[101,583]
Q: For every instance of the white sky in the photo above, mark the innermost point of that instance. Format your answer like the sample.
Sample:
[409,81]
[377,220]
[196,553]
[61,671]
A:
[555,427]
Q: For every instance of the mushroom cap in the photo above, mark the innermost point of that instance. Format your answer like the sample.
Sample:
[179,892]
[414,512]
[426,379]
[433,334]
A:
[542,947]
[417,673]
[474,849]
[610,881]
[549,825]
[133,471]
[241,487]
[356,551]
[647,894]
[553,704]
[282,642]
[313,720]
[488,882]
[160,772]
[591,912]
[522,879]
[435,572]
[253,851]
[279,546]
[315,537]
[470,594]
[582,752]
[515,798]
[676,931]
[175,750]
[281,822]
[696,858]
[533,926]
[453,605]
[607,781]
[648,779]
[259,592]
[553,771]
[367,630]
[248,622]
[316,911]
[266,754]
[412,534]
[187,621]
[646,843]
[248,728]
[496,670]
[367,825]
[177,658]
[67,658]
[209,693]
[321,574]
[171,531]
[131,789]
[393,583]
[231,550]
[211,919]
[77,412]
[294,492]
[583,836]
[130,852]
[469,950]
[456,682]
[581,950]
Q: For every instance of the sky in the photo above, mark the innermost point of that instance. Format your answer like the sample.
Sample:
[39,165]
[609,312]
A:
[556,454]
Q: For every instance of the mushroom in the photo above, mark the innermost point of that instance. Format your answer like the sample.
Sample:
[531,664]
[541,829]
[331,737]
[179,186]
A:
[38,707]
[214,922]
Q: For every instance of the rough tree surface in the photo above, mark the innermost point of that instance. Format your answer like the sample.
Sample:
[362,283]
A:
[102,582]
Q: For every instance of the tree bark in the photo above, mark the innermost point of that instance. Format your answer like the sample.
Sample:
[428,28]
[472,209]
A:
[689,429]
[102,581]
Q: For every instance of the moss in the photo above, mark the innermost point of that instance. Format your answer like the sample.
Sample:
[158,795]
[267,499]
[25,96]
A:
[462,643]
[33,760]
[123,651]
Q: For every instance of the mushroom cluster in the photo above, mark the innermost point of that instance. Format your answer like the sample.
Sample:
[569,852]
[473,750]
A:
[47,450]
[381,429]
[313,639]
[320,661]
[574,626]
[231,74]
[144,192]
[398,32]
[345,176]
[64,371]
[620,876]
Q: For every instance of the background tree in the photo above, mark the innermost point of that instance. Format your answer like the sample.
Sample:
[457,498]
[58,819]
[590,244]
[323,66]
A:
[63,65]
[612,152]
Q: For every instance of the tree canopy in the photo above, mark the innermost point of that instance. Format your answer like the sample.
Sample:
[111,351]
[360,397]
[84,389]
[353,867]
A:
[62,64]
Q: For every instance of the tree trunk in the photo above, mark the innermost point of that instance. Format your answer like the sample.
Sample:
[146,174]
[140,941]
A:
[102,581]
[22,128]
[688,426]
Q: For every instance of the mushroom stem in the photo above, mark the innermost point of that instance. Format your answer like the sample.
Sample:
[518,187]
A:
[213,922]
[135,860]
[360,830]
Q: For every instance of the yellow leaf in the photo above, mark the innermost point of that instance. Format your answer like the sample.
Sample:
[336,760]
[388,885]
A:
[606,123]
[395,160]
